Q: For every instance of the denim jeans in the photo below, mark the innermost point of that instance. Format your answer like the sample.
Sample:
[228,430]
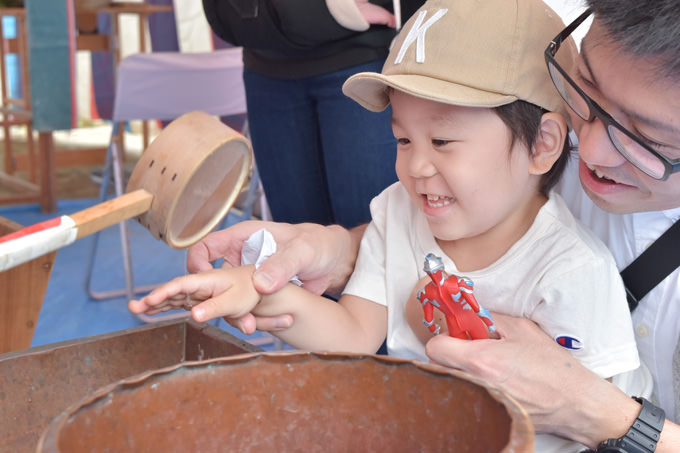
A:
[321,156]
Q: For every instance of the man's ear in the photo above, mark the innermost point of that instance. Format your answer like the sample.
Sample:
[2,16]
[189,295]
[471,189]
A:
[549,143]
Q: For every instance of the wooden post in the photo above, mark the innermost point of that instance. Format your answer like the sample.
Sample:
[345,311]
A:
[22,290]
[48,172]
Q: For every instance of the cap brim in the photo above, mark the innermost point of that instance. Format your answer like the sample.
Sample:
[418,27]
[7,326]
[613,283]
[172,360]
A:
[370,90]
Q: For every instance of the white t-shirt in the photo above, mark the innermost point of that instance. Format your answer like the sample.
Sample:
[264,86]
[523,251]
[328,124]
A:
[657,318]
[558,274]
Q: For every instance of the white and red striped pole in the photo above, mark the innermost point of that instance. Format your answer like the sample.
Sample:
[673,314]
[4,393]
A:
[45,237]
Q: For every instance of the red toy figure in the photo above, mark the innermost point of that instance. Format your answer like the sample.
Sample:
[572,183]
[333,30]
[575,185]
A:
[452,295]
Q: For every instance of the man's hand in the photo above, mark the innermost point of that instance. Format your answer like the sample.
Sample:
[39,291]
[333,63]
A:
[560,395]
[321,256]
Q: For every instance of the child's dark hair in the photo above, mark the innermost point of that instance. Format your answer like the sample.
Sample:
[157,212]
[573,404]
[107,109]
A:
[524,119]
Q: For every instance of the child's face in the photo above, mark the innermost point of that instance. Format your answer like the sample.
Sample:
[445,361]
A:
[460,167]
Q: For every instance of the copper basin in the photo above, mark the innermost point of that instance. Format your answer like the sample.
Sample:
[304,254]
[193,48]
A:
[293,401]
[38,384]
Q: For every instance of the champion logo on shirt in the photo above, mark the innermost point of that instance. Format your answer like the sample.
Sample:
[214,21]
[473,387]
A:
[569,342]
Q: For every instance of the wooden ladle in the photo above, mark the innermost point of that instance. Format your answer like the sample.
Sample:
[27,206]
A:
[182,186]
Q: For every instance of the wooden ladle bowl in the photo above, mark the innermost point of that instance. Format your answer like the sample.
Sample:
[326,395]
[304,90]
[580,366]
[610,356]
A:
[195,169]
[180,189]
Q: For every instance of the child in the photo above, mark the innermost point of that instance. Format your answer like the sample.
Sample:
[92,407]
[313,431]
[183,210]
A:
[479,148]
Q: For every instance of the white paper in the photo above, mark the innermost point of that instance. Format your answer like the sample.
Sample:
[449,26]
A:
[258,247]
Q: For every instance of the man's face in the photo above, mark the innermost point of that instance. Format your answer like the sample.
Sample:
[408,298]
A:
[637,94]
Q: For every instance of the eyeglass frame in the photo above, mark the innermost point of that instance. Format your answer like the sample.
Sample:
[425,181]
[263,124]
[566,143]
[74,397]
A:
[595,111]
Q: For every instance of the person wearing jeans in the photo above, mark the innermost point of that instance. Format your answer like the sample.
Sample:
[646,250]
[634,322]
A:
[321,158]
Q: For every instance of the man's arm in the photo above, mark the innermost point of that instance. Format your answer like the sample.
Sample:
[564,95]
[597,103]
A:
[560,395]
[286,27]
[670,438]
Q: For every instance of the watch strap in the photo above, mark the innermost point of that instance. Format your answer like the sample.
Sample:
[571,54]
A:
[643,434]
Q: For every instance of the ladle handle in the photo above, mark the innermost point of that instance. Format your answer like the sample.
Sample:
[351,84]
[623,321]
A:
[110,212]
[39,239]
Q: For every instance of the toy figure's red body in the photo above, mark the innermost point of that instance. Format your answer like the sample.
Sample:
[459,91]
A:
[453,296]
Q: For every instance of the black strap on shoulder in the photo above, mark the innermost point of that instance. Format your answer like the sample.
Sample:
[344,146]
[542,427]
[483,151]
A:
[652,266]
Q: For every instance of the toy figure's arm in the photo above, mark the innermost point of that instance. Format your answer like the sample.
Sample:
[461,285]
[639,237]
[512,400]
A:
[482,312]
[428,311]
[487,319]
[470,299]
[414,313]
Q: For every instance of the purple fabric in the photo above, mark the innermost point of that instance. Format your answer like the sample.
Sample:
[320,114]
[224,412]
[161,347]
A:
[165,85]
[163,29]
[102,73]
[163,32]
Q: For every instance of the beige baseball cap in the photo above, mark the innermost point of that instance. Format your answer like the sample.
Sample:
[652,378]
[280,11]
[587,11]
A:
[476,53]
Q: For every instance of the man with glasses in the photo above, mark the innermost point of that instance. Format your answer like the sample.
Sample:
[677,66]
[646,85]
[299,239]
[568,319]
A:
[624,99]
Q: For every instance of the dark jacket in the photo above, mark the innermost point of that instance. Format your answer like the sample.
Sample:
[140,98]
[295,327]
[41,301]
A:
[298,38]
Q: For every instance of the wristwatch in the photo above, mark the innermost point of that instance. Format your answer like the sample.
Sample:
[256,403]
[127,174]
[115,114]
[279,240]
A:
[642,436]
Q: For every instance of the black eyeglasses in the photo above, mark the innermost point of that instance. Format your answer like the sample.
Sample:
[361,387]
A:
[632,147]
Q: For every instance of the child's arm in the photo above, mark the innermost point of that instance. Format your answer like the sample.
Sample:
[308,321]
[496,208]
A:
[352,325]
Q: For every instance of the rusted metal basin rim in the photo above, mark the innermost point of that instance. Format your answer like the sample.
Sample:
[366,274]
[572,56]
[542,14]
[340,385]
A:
[302,401]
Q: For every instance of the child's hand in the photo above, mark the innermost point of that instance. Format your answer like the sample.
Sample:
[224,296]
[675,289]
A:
[226,292]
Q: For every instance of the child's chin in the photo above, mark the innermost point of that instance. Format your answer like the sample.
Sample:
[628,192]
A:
[443,233]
